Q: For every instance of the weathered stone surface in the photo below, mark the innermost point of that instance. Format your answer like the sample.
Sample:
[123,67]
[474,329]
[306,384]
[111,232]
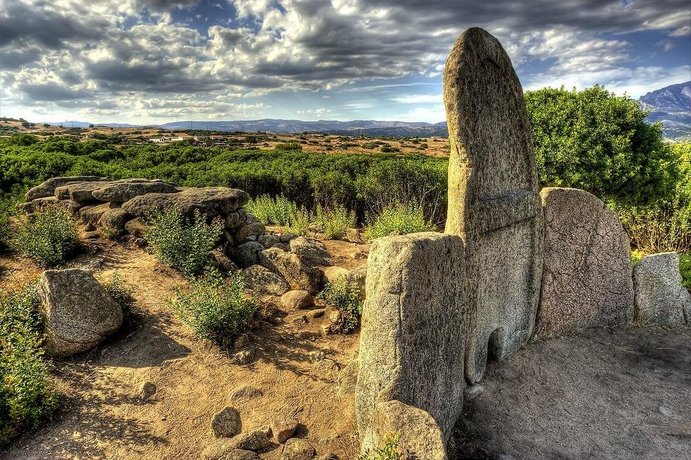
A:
[81,192]
[236,219]
[411,348]
[251,229]
[297,300]
[92,214]
[123,190]
[420,436]
[136,227]
[298,449]
[226,423]
[263,280]
[298,274]
[587,274]
[211,201]
[78,313]
[493,198]
[113,221]
[247,254]
[283,429]
[335,273]
[146,390]
[222,262]
[47,188]
[224,449]
[311,252]
[660,297]
[256,441]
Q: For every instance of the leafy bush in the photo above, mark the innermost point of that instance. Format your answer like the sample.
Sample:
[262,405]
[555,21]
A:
[273,210]
[399,219]
[389,451]
[26,393]
[48,238]
[334,222]
[216,309]
[182,243]
[345,296]
[301,224]
[289,146]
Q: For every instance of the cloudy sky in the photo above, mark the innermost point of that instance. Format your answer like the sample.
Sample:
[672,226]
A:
[154,61]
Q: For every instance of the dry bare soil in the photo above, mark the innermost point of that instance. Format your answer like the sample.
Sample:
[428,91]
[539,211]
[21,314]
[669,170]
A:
[605,395]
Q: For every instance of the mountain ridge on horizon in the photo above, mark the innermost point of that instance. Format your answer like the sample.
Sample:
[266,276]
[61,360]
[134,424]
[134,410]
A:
[670,105]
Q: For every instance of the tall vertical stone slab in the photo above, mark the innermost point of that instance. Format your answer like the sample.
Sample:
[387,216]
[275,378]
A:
[410,348]
[587,278]
[494,204]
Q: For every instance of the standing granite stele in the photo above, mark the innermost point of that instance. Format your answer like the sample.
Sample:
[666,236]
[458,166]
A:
[494,203]
[410,348]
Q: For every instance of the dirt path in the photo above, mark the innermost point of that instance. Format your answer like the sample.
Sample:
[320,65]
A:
[620,395]
[296,369]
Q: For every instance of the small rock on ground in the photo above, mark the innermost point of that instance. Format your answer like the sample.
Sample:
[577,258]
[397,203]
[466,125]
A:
[226,423]
[297,449]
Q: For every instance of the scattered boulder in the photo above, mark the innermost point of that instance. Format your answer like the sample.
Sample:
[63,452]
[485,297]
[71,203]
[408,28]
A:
[92,214]
[113,221]
[660,296]
[268,241]
[420,436]
[80,192]
[298,449]
[247,254]
[256,441]
[123,190]
[136,227]
[244,356]
[146,390]
[262,280]
[493,200]
[236,219]
[226,423]
[297,300]
[250,230]
[210,201]
[411,323]
[47,188]
[354,235]
[335,273]
[222,261]
[223,449]
[587,279]
[298,274]
[311,252]
[39,204]
[283,429]
[78,313]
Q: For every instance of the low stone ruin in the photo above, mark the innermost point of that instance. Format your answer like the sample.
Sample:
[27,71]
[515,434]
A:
[516,265]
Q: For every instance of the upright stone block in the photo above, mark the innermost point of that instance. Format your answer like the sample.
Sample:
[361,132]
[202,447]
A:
[410,347]
[493,198]
[660,297]
[587,274]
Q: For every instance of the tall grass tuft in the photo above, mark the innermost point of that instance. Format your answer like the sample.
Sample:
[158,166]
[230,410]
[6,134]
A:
[27,396]
[180,242]
[216,309]
[273,210]
[335,221]
[399,219]
[49,238]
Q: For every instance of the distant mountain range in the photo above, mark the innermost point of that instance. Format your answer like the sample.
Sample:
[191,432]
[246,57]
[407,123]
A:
[670,105]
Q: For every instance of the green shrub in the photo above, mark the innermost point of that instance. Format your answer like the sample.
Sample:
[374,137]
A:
[273,210]
[216,309]
[334,222]
[344,296]
[180,242]
[399,219]
[389,451]
[289,146]
[685,268]
[27,396]
[301,224]
[49,238]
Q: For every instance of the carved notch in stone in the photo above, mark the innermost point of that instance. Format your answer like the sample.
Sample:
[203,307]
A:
[494,204]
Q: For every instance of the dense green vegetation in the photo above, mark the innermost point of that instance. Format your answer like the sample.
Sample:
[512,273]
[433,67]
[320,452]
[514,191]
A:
[214,307]
[49,238]
[180,242]
[398,219]
[26,393]
[345,296]
[589,139]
